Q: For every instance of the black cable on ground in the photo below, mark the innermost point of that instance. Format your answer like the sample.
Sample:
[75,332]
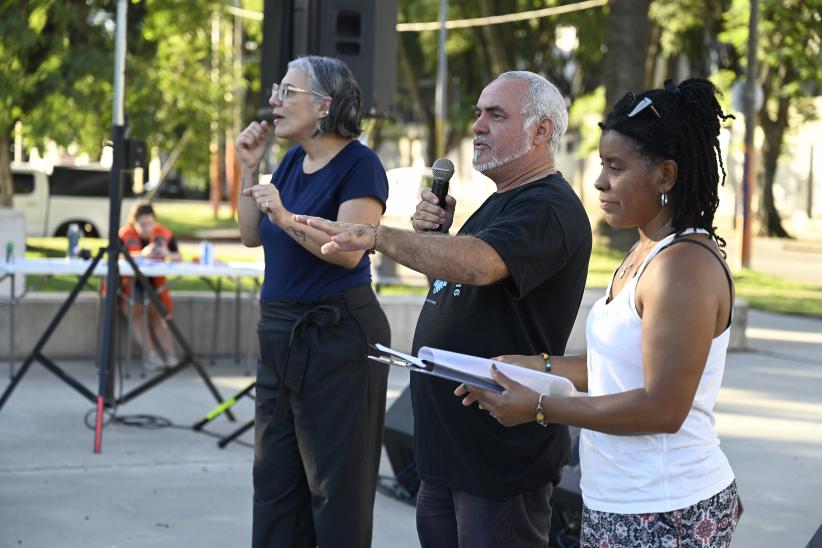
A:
[149,422]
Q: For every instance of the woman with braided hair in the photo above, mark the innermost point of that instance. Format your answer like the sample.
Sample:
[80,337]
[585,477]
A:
[652,470]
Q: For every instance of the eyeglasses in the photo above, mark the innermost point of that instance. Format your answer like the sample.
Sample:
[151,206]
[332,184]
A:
[642,105]
[282,92]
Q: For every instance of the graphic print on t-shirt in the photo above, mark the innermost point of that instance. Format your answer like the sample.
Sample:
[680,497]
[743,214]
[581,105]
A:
[436,288]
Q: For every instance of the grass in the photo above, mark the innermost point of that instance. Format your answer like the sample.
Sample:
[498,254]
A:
[774,294]
[761,291]
[185,219]
[601,266]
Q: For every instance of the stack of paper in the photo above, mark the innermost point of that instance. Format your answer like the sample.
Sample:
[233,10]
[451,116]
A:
[475,370]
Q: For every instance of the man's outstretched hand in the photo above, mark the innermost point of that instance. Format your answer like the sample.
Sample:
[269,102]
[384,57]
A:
[344,236]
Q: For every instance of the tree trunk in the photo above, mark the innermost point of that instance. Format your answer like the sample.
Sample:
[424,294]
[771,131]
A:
[627,39]
[769,220]
[423,111]
[493,40]
[233,173]
[215,177]
[6,183]
[374,133]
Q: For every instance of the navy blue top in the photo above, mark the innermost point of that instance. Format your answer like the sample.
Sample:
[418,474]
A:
[293,273]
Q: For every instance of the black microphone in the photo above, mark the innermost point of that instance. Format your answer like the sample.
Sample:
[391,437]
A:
[442,170]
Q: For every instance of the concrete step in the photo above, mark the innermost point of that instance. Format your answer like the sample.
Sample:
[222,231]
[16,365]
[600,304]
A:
[195,313]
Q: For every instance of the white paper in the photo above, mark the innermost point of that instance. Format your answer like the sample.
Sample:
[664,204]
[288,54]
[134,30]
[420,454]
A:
[550,385]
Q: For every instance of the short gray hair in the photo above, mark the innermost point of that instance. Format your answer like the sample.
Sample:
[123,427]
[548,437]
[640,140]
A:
[542,100]
[331,77]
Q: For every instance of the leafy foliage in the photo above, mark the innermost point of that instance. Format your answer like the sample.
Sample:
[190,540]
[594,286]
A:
[477,54]
[790,70]
[56,69]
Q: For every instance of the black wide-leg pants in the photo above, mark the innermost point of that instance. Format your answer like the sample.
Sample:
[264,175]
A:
[320,409]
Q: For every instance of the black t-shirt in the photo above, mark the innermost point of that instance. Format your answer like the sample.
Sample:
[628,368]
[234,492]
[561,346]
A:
[542,233]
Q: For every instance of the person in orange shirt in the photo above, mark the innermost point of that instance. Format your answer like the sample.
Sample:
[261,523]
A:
[143,236]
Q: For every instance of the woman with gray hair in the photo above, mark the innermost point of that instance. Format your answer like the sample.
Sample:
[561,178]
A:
[320,405]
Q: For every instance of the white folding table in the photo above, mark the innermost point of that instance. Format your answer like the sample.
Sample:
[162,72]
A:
[79,267]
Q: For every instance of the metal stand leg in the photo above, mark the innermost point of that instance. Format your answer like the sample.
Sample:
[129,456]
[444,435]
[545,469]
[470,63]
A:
[227,404]
[214,327]
[129,329]
[237,319]
[255,313]
[188,355]
[236,434]
[13,301]
[36,352]
[146,335]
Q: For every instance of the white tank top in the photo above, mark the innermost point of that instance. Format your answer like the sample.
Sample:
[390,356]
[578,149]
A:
[656,472]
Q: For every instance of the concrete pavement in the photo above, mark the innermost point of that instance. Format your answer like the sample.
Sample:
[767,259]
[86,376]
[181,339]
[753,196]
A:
[172,487]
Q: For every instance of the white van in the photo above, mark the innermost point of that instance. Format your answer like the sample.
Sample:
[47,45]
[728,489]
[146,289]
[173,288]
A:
[51,201]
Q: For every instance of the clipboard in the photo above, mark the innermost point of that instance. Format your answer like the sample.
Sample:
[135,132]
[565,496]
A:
[390,356]
[473,370]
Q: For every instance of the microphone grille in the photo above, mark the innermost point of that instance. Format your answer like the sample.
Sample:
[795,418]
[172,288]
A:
[443,169]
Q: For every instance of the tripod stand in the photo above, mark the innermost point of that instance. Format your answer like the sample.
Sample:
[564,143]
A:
[224,408]
[104,396]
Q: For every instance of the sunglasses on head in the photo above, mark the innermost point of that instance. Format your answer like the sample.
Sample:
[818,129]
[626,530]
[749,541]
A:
[643,104]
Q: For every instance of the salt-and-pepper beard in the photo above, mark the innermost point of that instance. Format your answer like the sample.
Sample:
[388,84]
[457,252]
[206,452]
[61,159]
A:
[495,162]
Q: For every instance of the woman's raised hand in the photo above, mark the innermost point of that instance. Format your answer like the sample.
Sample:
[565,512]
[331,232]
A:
[268,201]
[344,236]
[251,144]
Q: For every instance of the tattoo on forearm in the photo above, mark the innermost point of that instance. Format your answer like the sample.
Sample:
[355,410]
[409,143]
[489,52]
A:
[296,234]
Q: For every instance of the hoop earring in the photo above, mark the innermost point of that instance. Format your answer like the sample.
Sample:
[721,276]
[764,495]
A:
[663,199]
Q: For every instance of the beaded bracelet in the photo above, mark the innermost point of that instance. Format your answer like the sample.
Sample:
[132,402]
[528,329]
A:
[547,359]
[374,247]
[540,416]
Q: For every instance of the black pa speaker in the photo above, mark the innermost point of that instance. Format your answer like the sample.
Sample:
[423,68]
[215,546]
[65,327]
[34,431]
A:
[816,541]
[398,439]
[360,32]
[136,153]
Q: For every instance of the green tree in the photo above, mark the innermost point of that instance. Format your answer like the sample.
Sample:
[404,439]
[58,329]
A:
[177,83]
[53,56]
[478,54]
[790,72]
[56,68]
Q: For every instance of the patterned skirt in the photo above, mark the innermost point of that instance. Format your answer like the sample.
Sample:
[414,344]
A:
[707,524]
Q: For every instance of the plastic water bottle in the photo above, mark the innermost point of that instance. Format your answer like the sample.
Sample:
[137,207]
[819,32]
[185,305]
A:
[10,251]
[207,253]
[73,241]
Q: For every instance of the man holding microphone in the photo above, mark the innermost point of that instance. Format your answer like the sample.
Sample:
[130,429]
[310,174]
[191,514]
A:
[510,282]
